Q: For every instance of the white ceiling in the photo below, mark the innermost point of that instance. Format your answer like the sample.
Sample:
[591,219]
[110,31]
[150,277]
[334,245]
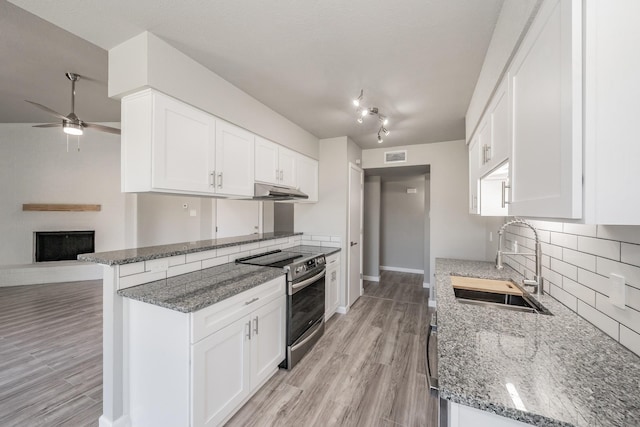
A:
[417,60]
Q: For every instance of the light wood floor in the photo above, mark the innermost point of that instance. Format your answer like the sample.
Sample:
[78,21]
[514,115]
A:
[367,370]
[51,354]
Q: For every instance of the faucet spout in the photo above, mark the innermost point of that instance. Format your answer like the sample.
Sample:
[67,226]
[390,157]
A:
[537,278]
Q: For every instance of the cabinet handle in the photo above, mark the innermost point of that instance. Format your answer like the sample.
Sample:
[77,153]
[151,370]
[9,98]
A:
[488,153]
[504,194]
[255,326]
[252,301]
[281,175]
[484,154]
[213,179]
[248,329]
[220,180]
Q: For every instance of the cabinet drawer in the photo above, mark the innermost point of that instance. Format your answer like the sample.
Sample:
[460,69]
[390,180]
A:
[333,259]
[211,319]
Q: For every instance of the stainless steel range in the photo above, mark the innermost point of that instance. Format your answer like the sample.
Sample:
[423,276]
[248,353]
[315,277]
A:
[305,297]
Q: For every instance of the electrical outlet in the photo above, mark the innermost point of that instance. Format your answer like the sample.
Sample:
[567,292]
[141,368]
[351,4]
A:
[617,295]
[193,212]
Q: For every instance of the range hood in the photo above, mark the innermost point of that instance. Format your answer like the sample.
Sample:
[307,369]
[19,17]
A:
[277,192]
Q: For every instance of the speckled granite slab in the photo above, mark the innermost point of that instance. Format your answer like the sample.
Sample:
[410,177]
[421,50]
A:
[566,371]
[127,256]
[194,291]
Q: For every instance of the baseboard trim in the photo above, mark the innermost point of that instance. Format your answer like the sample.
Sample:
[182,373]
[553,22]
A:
[123,421]
[426,285]
[401,269]
[342,310]
[372,278]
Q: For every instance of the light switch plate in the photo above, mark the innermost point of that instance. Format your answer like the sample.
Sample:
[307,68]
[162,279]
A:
[617,296]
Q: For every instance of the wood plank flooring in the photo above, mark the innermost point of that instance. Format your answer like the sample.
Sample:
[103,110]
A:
[367,370]
[51,354]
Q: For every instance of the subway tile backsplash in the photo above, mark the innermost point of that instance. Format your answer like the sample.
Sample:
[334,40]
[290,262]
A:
[577,262]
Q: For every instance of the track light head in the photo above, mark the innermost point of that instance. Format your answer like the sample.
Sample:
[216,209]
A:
[356,101]
[385,131]
[380,139]
[359,120]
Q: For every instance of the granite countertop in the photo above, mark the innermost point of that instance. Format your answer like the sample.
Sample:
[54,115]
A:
[194,291]
[127,256]
[566,371]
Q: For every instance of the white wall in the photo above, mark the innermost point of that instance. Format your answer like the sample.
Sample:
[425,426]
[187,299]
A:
[514,17]
[148,61]
[454,233]
[35,167]
[402,223]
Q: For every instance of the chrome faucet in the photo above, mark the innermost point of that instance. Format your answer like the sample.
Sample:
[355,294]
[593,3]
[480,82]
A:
[537,279]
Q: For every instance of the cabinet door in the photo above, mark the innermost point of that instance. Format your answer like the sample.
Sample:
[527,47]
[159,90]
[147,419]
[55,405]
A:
[183,138]
[266,163]
[267,340]
[333,283]
[308,177]
[234,160]
[501,142]
[221,373]
[287,161]
[546,101]
[485,140]
[474,181]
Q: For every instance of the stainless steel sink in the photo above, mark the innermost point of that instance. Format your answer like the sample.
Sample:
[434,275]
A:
[524,302]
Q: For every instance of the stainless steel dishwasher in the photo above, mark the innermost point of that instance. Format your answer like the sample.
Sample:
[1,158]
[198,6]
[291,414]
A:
[432,374]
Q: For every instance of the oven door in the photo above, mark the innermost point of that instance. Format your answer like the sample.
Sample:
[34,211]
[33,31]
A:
[305,305]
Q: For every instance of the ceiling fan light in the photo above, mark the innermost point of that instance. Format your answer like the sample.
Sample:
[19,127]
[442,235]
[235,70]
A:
[72,129]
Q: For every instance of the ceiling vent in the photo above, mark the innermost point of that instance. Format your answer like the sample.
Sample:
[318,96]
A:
[395,156]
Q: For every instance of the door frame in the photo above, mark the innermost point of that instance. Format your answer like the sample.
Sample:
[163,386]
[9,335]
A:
[361,213]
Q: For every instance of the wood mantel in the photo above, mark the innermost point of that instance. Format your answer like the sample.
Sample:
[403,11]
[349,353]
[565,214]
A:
[60,207]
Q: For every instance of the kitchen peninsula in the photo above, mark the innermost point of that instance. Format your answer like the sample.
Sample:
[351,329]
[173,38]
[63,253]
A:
[187,294]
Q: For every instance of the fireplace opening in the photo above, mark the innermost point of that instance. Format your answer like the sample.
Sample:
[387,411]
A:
[62,245]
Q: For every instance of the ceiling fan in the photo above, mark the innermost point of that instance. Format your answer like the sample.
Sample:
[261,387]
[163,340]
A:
[71,124]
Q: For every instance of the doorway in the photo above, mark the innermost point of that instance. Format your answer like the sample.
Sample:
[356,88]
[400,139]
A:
[396,224]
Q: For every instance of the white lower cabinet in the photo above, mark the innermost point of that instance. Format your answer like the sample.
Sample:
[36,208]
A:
[466,416]
[197,369]
[332,280]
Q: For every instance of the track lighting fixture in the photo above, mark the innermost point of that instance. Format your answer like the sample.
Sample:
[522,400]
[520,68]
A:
[356,101]
[362,112]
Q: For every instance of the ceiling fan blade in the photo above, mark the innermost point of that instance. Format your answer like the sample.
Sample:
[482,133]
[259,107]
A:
[48,110]
[48,125]
[102,128]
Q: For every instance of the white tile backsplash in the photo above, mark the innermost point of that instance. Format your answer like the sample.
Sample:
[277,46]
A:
[580,259]
[601,247]
[630,339]
[565,240]
[630,254]
[577,260]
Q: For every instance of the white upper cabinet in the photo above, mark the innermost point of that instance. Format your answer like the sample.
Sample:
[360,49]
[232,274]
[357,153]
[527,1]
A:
[474,175]
[612,109]
[500,148]
[234,160]
[545,84]
[275,164]
[169,146]
[307,169]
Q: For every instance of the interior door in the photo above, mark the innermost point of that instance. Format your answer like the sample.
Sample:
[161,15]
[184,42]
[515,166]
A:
[354,277]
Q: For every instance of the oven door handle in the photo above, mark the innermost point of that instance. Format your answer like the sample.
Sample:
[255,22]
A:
[298,286]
